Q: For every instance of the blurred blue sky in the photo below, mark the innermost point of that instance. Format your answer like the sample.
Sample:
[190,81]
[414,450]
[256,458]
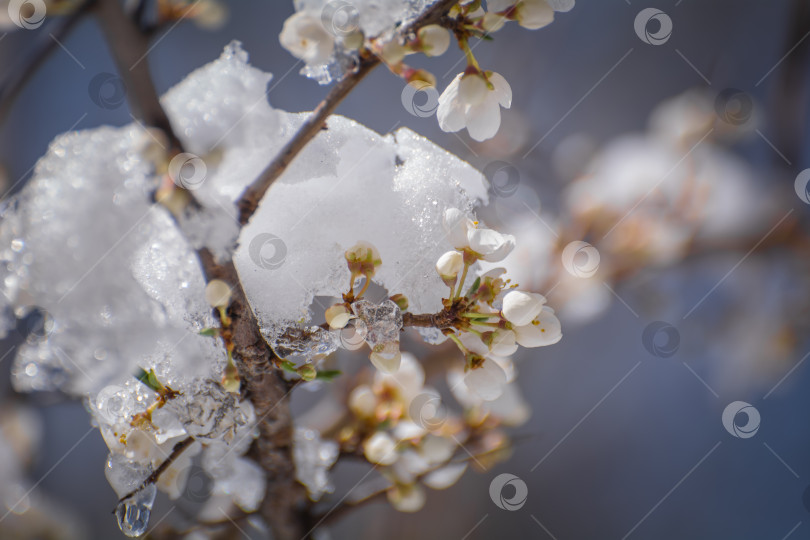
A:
[626,442]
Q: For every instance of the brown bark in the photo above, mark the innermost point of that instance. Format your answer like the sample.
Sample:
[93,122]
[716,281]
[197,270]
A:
[130,49]
[284,504]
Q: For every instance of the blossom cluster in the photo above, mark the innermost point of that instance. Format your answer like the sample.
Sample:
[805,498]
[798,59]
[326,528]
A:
[472,100]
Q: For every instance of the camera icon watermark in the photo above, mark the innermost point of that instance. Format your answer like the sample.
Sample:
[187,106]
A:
[518,497]
[580,259]
[340,18]
[267,251]
[427,411]
[107,90]
[661,339]
[504,178]
[656,19]
[734,106]
[802,186]
[411,95]
[353,336]
[736,411]
[27,14]
[187,171]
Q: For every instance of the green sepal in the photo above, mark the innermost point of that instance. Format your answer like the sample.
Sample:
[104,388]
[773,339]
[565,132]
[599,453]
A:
[328,374]
[149,379]
[286,365]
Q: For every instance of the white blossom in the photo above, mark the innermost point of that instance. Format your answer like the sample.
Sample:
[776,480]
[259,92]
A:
[471,102]
[519,308]
[380,448]
[409,498]
[386,357]
[486,381]
[464,233]
[362,401]
[305,37]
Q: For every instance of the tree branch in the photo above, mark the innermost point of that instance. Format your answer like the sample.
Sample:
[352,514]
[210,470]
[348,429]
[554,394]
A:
[250,199]
[263,385]
[130,49]
[268,391]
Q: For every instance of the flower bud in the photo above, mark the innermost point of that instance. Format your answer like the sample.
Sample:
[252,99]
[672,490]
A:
[434,39]
[406,498]
[386,357]
[307,372]
[393,52]
[218,293]
[230,378]
[449,265]
[363,259]
[353,40]
[338,316]
[362,401]
[534,14]
[401,301]
[420,77]
[492,22]
[380,448]
[210,14]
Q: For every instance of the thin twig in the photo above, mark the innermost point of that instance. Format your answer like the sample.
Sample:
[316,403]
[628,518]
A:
[178,449]
[249,200]
[27,65]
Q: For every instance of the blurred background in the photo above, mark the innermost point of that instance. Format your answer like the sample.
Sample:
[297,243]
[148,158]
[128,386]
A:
[627,437]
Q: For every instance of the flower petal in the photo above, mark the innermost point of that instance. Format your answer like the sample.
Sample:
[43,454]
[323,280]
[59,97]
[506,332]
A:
[484,119]
[450,112]
[503,343]
[474,344]
[486,381]
[503,92]
[492,245]
[543,330]
[520,308]
[456,225]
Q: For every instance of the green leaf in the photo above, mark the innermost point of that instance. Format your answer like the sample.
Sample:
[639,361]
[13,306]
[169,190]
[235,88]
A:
[210,332]
[328,374]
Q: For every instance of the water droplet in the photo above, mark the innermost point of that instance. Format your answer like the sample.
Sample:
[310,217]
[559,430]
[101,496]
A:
[133,512]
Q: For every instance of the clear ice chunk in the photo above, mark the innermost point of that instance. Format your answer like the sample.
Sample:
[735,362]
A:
[383,321]
[304,343]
